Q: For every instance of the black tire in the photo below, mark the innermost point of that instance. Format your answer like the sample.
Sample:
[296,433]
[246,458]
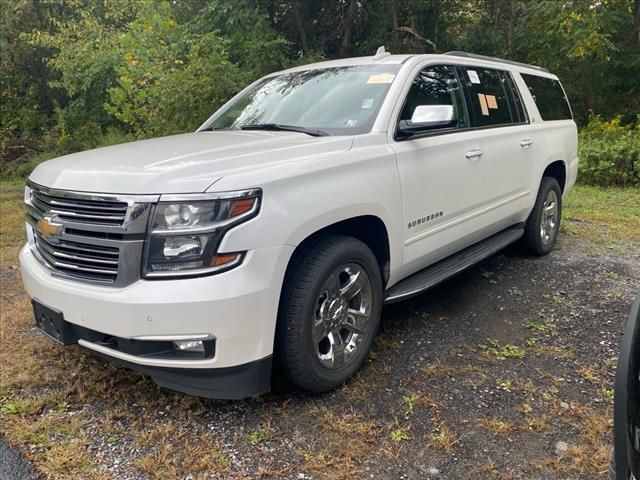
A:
[300,306]
[533,238]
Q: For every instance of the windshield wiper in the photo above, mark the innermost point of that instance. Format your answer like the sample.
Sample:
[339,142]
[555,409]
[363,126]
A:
[284,128]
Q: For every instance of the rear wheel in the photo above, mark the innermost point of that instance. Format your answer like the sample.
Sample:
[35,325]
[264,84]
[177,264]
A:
[329,312]
[543,224]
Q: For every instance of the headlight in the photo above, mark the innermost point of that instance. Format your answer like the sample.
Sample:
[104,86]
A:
[186,232]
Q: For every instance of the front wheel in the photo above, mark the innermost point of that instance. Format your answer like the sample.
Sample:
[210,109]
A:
[329,312]
[543,224]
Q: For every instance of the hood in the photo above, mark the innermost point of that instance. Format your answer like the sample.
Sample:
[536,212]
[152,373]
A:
[187,163]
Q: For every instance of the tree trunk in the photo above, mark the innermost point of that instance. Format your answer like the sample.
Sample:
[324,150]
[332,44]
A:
[636,23]
[297,18]
[395,25]
[510,30]
[349,21]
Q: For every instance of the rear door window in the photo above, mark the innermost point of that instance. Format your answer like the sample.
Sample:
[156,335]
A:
[549,97]
[491,102]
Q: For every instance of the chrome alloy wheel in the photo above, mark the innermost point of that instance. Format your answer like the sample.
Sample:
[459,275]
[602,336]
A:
[549,217]
[342,316]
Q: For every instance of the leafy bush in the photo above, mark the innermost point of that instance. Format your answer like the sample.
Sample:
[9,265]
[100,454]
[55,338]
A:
[610,153]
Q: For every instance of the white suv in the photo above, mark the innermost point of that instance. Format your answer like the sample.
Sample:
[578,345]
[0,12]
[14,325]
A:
[281,227]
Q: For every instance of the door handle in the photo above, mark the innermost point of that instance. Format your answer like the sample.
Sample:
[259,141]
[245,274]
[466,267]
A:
[473,154]
[526,143]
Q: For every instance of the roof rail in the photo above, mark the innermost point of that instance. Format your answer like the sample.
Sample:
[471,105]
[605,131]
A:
[495,59]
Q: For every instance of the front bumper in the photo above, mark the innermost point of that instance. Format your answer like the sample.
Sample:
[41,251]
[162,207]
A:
[237,308]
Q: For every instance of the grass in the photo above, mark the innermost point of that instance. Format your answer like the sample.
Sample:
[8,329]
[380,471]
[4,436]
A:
[603,215]
[12,221]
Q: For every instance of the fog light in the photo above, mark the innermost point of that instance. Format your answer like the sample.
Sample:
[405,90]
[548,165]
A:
[189,346]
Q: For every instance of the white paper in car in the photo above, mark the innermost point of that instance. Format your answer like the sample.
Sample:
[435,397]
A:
[473,76]
[381,78]
[367,103]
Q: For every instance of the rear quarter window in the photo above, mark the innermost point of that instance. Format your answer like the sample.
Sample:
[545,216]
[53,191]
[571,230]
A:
[549,97]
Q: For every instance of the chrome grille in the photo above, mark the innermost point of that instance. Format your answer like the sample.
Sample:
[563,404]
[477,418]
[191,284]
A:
[91,238]
[80,259]
[84,210]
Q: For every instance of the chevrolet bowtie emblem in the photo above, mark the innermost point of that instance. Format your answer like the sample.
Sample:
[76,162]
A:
[47,227]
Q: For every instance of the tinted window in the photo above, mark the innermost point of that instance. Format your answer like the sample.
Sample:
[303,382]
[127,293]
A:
[435,85]
[489,99]
[549,97]
[518,110]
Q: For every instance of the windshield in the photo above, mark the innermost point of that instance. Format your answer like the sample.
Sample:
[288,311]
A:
[335,101]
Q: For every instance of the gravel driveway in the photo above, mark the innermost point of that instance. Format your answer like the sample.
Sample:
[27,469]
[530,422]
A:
[503,372]
[13,465]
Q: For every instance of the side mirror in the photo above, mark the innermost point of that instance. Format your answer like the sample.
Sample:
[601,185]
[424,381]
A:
[427,117]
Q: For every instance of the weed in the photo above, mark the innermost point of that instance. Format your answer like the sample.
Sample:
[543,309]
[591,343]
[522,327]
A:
[502,352]
[444,438]
[14,406]
[496,426]
[590,374]
[257,437]
[541,327]
[409,401]
[554,351]
[489,276]
[399,435]
[514,292]
[607,394]
[504,386]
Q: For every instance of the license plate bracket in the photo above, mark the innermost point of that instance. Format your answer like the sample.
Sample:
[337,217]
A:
[52,323]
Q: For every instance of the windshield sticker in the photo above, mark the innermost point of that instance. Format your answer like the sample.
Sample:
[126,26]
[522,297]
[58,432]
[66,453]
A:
[473,76]
[492,102]
[351,123]
[381,78]
[367,103]
[483,104]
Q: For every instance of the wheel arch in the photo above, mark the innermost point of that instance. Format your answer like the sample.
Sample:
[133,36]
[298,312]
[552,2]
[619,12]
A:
[556,169]
[369,229]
